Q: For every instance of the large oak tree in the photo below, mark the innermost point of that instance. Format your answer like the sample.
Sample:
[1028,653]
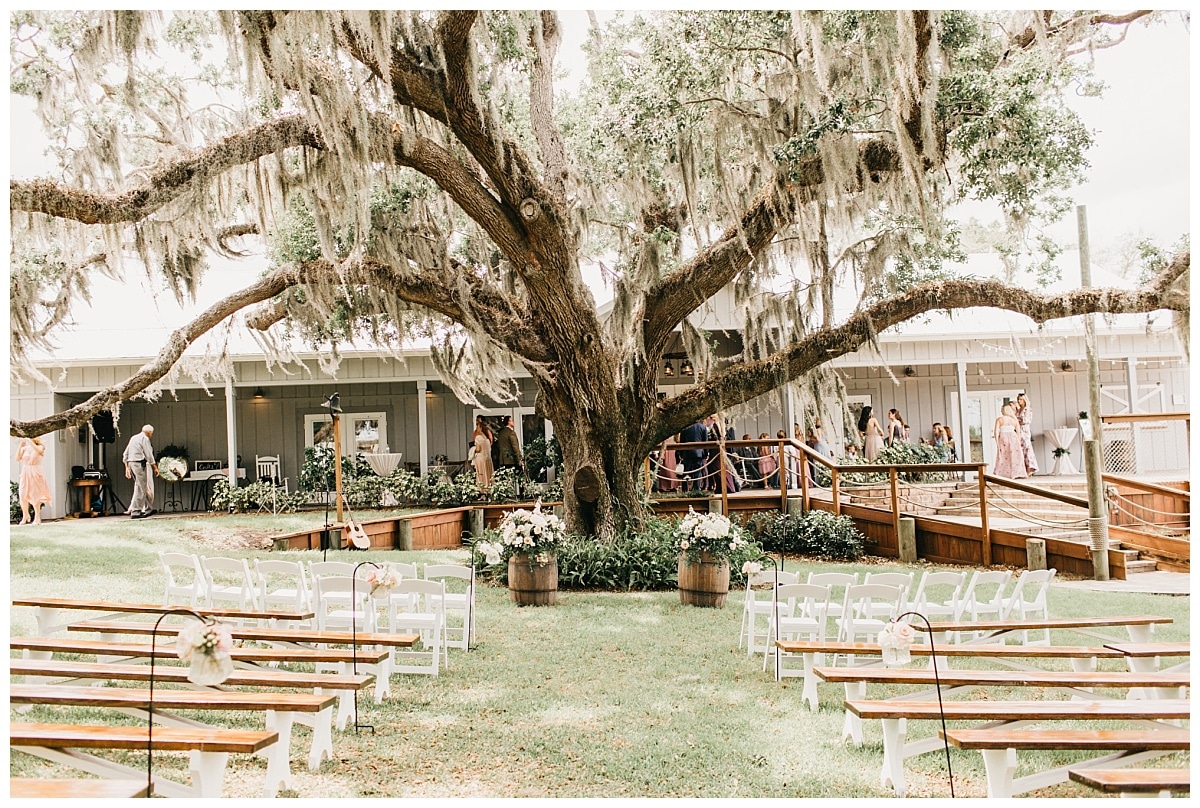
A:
[416,174]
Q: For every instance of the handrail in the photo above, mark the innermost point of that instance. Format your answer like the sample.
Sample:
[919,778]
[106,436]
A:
[1034,489]
[1151,487]
[1131,417]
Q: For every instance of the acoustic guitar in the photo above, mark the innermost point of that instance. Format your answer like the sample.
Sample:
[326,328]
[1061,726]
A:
[353,532]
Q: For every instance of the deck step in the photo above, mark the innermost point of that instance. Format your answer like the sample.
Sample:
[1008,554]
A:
[1140,565]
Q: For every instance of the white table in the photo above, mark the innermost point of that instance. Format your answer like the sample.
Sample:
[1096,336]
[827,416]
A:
[1062,438]
[385,463]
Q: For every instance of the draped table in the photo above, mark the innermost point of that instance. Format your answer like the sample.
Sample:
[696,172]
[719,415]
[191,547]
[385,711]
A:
[384,463]
[1062,438]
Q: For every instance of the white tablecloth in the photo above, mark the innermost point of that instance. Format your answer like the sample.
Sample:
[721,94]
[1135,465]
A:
[384,464]
[212,474]
[1062,438]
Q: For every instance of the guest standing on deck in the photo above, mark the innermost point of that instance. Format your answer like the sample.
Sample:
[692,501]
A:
[482,440]
[1024,415]
[1006,432]
[872,435]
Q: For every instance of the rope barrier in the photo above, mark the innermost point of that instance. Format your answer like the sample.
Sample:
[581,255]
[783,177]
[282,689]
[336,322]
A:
[1116,497]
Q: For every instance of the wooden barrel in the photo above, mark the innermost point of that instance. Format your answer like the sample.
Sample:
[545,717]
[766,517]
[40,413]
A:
[532,585]
[703,583]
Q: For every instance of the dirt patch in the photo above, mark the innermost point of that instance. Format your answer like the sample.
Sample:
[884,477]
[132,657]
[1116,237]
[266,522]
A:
[225,538]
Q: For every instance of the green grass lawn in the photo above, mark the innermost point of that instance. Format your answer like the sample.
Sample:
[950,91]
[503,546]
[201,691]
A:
[603,695]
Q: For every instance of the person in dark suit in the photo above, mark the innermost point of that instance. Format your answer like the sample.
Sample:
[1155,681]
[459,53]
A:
[692,459]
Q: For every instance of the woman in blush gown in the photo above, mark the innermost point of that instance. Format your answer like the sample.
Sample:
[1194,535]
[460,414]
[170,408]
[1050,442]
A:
[483,453]
[668,480]
[1024,415]
[1010,461]
[32,489]
[868,427]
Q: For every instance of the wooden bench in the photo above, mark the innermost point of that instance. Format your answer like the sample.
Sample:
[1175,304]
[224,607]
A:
[280,710]
[47,611]
[342,684]
[1081,657]
[43,647]
[211,747]
[57,788]
[1130,782]
[999,748]
[1139,626]
[856,680]
[894,716]
[296,638]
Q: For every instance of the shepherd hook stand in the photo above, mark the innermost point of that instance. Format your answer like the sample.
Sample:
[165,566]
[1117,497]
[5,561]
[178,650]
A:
[354,636]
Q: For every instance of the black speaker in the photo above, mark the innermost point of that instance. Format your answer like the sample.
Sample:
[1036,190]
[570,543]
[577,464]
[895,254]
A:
[102,426]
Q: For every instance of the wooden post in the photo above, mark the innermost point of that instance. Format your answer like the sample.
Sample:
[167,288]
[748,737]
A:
[804,495]
[1035,554]
[836,486]
[803,476]
[477,522]
[795,506]
[337,463]
[894,484]
[404,534]
[981,470]
[906,539]
[724,482]
[782,479]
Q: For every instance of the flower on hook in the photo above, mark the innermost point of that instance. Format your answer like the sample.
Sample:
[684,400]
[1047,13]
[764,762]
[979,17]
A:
[491,551]
[895,642]
[382,580]
[205,648]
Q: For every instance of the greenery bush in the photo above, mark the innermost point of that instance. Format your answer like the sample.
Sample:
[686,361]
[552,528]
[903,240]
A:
[899,453]
[249,498]
[819,534]
[642,561]
[540,456]
[316,472]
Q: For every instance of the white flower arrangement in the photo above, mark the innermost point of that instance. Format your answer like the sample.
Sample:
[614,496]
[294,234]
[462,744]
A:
[895,642]
[172,469]
[711,533]
[205,648]
[533,532]
[382,580]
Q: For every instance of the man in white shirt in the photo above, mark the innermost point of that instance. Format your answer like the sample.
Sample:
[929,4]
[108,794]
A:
[139,460]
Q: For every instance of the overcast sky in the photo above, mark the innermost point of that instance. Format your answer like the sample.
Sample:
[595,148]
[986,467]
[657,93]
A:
[1138,183]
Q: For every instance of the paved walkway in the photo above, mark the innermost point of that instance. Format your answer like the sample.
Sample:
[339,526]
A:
[1158,582]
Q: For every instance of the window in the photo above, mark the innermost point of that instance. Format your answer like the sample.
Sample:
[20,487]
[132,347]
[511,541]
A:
[362,432]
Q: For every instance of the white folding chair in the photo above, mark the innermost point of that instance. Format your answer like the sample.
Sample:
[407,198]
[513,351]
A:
[802,610]
[904,580]
[939,595]
[837,583]
[866,609]
[417,605]
[759,600]
[267,470]
[1028,599]
[325,569]
[185,580]
[282,585]
[343,603]
[460,603]
[228,581]
[981,600]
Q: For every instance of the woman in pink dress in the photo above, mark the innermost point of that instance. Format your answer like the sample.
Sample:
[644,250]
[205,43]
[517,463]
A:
[1024,415]
[767,464]
[868,427]
[667,479]
[1010,461]
[32,490]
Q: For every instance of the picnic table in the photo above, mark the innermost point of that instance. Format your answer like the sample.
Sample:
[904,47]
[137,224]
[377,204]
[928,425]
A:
[47,611]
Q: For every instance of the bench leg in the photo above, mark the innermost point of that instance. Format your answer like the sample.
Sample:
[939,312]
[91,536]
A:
[1001,765]
[208,773]
[1141,633]
[852,724]
[279,770]
[322,742]
[809,693]
[345,706]
[894,732]
[1083,665]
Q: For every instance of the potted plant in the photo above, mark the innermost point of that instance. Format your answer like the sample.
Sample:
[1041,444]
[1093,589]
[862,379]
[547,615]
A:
[173,463]
[529,540]
[705,542]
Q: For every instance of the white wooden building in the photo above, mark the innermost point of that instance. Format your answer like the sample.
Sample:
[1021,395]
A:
[953,377]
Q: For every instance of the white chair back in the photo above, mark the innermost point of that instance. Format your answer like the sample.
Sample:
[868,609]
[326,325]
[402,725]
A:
[867,608]
[981,599]
[939,595]
[184,579]
[459,580]
[325,569]
[228,581]
[758,600]
[282,585]
[418,605]
[1029,599]
[267,468]
[343,603]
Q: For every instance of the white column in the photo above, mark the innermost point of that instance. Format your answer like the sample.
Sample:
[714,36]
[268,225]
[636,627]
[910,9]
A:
[422,426]
[789,409]
[231,431]
[962,437]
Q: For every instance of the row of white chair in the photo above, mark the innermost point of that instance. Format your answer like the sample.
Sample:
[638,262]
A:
[940,596]
[420,602]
